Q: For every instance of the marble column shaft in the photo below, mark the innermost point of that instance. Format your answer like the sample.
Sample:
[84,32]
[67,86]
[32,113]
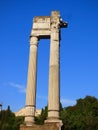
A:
[54,77]
[31,83]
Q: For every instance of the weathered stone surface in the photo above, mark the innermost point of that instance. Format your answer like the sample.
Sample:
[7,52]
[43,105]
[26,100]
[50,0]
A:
[47,126]
[41,23]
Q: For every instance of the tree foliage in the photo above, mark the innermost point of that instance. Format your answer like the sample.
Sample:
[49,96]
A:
[82,116]
[42,117]
[8,121]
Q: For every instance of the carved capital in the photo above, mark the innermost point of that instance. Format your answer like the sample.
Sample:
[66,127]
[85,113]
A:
[33,40]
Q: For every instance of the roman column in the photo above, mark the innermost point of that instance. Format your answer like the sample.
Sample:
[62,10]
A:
[54,72]
[31,83]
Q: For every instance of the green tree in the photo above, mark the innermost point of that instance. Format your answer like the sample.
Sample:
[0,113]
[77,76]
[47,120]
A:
[6,126]
[8,121]
[41,118]
[82,116]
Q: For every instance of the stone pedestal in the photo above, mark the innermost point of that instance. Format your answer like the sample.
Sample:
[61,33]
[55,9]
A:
[47,126]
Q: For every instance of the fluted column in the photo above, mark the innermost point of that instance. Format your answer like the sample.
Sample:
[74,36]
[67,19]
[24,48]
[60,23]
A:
[54,77]
[31,83]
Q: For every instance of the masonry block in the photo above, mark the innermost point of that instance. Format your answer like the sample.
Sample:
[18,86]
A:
[47,126]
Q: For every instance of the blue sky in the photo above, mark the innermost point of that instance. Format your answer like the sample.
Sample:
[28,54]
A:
[78,50]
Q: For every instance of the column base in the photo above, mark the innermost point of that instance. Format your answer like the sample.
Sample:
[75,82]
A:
[53,121]
[46,126]
[29,121]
